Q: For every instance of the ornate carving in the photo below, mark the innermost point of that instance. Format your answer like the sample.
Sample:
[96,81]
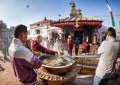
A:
[57,77]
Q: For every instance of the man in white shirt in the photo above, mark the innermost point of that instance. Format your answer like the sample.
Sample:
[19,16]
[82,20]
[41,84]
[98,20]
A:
[109,51]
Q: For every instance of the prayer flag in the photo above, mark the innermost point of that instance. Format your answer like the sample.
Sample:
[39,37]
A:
[111,14]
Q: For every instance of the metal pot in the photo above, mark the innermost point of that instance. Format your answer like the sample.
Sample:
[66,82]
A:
[57,69]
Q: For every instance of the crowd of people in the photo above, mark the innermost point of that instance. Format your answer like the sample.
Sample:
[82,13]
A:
[24,54]
[76,44]
[57,44]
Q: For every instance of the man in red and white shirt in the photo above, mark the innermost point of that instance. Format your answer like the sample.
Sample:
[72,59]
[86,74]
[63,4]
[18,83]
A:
[22,59]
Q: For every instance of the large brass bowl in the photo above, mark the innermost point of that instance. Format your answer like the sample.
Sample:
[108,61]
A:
[57,69]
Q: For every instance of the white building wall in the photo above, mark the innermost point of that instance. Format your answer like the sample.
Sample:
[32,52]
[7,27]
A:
[43,32]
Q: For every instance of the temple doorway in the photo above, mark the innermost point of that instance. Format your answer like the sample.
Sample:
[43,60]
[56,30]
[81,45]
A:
[78,34]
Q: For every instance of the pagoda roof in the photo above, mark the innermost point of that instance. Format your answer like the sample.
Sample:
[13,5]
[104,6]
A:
[71,21]
[80,19]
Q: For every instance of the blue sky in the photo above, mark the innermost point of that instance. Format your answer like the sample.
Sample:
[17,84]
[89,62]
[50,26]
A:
[14,12]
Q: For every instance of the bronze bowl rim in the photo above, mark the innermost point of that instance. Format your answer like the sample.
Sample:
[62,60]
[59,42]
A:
[71,61]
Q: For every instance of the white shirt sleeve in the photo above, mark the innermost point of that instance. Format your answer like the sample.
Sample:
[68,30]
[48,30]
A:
[101,48]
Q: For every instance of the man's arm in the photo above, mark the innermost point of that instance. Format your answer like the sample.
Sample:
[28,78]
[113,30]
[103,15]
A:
[101,48]
[32,60]
[40,48]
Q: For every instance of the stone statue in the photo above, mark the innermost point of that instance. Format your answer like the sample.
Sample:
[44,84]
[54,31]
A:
[74,12]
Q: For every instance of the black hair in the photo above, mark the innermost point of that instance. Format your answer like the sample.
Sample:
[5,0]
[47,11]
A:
[111,31]
[19,29]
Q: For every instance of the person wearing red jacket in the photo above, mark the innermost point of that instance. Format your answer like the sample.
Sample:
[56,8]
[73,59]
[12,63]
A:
[87,47]
[70,45]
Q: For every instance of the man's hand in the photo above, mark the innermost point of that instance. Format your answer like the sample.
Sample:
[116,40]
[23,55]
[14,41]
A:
[60,53]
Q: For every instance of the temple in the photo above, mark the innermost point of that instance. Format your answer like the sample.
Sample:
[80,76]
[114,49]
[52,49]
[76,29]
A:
[79,26]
